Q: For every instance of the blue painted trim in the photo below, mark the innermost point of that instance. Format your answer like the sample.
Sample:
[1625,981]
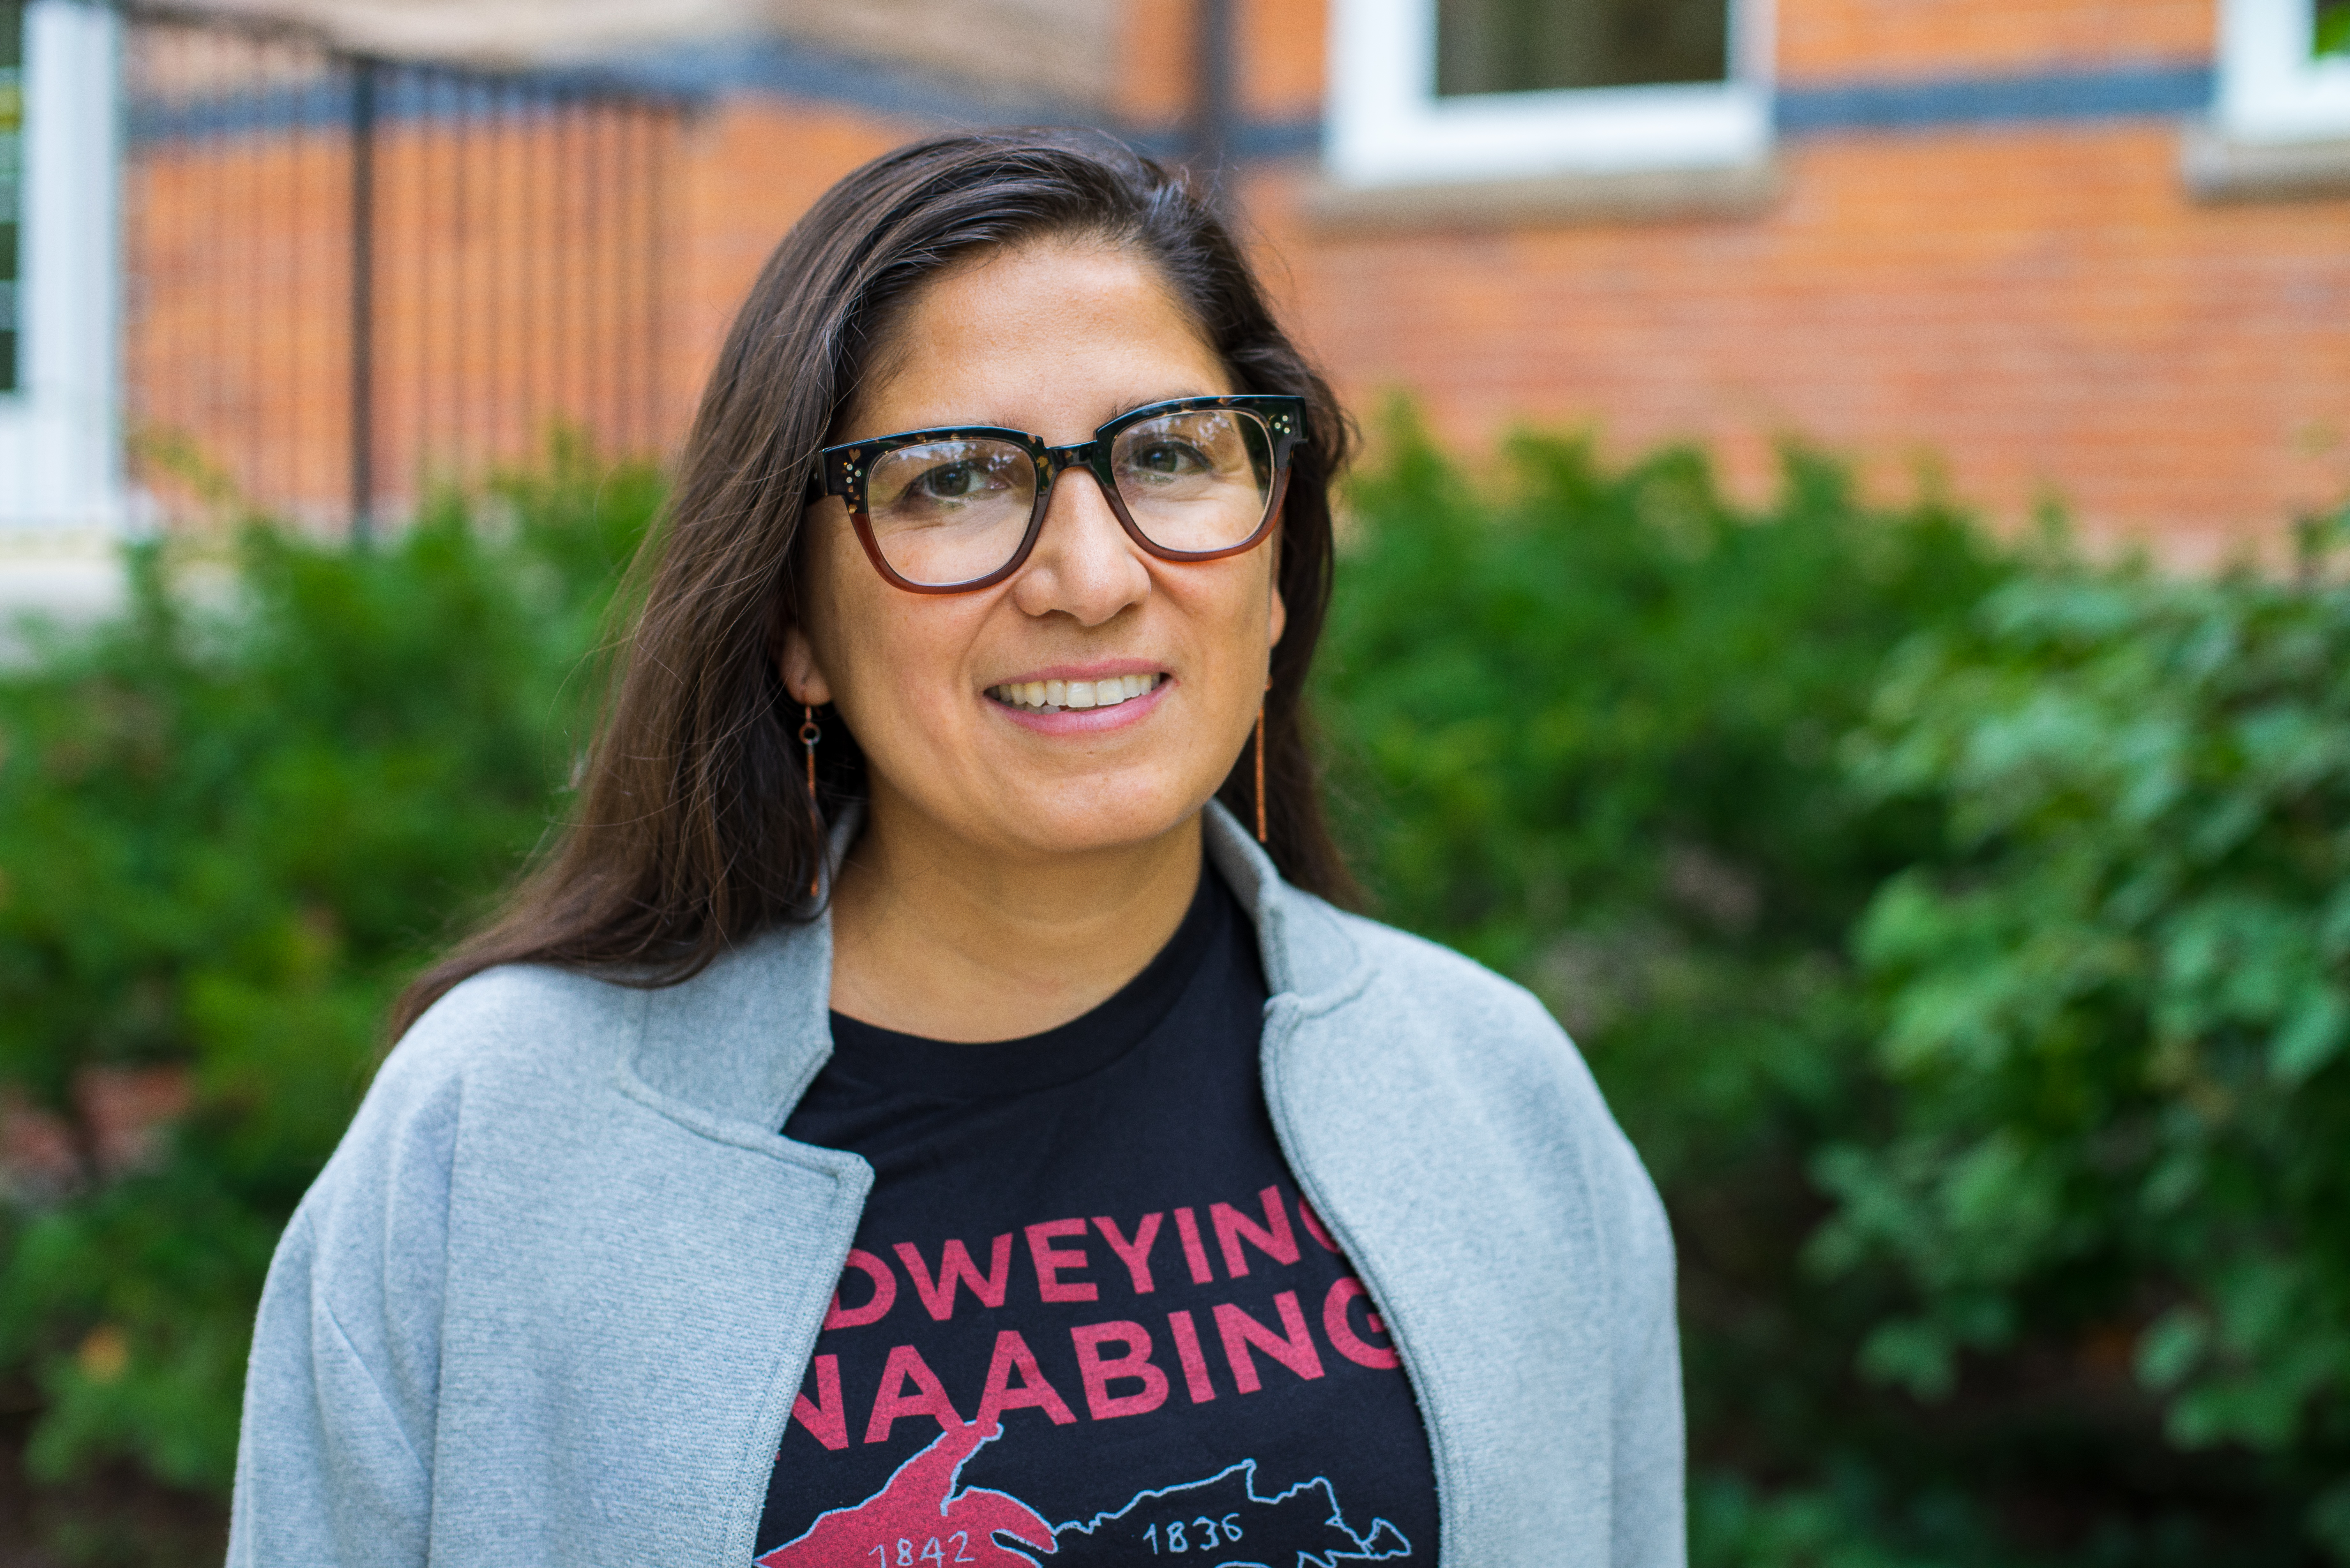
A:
[682,75]
[697,73]
[796,70]
[311,106]
[404,92]
[788,70]
[1277,138]
[2121,92]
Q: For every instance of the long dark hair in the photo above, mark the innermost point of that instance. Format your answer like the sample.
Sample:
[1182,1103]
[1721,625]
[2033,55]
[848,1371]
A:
[692,830]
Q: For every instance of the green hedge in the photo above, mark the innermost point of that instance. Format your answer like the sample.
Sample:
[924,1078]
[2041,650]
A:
[2116,1020]
[1962,936]
[1965,938]
[229,826]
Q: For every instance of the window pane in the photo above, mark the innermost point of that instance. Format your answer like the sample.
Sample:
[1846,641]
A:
[1528,46]
[12,142]
[2334,27]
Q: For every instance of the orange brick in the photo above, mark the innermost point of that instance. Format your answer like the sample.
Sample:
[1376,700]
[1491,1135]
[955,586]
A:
[1153,86]
[1279,56]
[1873,39]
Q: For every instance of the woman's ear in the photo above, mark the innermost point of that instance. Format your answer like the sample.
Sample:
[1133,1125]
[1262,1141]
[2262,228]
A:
[802,678]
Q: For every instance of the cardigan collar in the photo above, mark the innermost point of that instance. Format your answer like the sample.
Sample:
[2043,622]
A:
[743,1040]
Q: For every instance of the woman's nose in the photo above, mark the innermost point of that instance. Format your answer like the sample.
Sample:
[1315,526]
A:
[1084,565]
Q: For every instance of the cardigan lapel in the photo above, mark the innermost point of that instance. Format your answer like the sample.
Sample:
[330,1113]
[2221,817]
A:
[1423,1181]
[727,1055]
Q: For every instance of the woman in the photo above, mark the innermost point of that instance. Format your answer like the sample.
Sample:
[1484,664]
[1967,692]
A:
[929,1110]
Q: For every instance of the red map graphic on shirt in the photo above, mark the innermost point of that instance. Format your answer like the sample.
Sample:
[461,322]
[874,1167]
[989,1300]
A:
[919,1517]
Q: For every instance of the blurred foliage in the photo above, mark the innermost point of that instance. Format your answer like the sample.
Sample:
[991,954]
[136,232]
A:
[2003,1227]
[2333,30]
[2117,1020]
[1960,932]
[230,825]
[1585,723]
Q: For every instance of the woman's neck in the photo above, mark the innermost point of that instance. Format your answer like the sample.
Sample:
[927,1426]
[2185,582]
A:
[938,938]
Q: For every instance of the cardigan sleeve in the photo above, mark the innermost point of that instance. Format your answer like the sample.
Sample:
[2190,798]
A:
[324,1472]
[335,1456]
[1649,1528]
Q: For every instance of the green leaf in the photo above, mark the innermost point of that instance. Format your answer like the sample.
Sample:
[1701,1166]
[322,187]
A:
[2172,1346]
[2313,1033]
[2332,31]
[1913,1354]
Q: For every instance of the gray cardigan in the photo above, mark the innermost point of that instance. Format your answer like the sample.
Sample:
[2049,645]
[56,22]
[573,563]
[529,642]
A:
[551,1300]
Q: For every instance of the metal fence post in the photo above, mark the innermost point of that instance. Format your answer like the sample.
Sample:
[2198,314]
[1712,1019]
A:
[1211,74]
[364,71]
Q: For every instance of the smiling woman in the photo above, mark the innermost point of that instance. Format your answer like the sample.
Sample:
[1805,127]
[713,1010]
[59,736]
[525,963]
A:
[948,884]
[1059,838]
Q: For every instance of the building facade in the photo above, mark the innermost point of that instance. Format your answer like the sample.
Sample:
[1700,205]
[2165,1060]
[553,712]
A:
[2089,250]
[2047,249]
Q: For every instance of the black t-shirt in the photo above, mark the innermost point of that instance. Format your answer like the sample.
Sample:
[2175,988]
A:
[1087,1307]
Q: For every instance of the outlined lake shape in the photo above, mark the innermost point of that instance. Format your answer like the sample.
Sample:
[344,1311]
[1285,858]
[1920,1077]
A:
[1224,1523]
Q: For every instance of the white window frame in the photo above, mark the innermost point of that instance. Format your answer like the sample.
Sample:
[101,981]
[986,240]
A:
[60,429]
[1387,126]
[2271,88]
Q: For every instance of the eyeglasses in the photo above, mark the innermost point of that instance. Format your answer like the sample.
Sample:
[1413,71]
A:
[948,511]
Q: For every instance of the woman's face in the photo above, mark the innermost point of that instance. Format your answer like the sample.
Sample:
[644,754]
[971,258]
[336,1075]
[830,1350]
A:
[1054,339]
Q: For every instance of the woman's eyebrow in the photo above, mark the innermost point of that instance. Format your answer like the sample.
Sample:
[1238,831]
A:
[1146,402]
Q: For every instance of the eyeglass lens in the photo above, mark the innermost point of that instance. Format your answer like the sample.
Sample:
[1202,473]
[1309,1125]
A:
[948,512]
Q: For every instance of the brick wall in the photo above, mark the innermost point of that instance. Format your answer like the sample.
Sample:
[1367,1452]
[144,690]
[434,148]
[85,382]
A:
[2034,312]
[1155,70]
[2030,308]
[1280,52]
[1878,39]
[746,170]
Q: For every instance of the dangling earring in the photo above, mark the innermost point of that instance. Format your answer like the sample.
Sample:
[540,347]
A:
[809,735]
[1259,771]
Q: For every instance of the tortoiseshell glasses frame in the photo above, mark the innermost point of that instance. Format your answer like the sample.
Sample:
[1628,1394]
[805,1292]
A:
[845,470]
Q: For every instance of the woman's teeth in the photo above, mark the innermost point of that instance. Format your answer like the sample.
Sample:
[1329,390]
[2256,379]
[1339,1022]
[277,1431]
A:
[1051,696]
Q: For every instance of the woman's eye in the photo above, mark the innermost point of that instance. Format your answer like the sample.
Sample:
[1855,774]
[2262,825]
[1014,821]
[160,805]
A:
[952,481]
[1169,459]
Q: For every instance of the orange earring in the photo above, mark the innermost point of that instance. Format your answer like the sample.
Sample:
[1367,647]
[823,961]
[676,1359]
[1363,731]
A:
[1260,772]
[810,733]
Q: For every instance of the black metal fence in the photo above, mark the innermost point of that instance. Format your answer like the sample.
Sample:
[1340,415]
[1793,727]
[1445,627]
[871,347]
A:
[353,279]
[12,142]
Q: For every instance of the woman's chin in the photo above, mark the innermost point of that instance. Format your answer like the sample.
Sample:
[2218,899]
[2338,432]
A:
[1103,815]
